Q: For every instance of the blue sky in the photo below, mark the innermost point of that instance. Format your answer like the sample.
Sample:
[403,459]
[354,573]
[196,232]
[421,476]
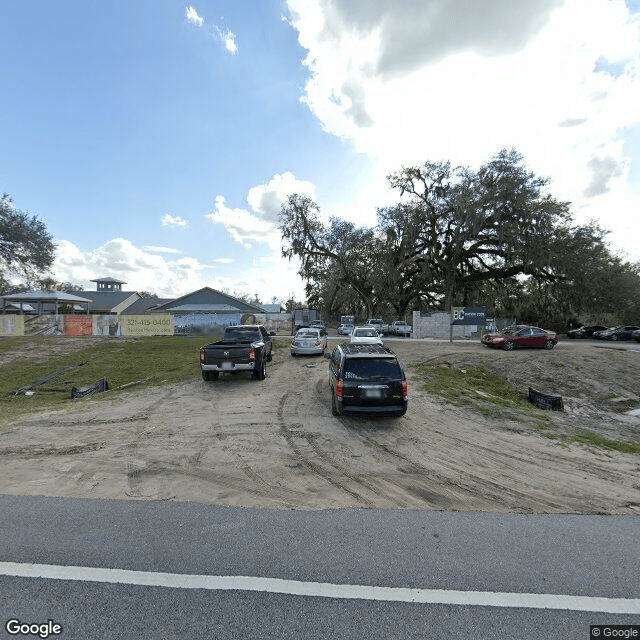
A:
[157,139]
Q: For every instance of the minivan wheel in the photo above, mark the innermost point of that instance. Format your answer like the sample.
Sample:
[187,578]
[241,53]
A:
[334,407]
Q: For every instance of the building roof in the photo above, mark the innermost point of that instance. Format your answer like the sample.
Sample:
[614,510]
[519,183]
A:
[45,296]
[110,301]
[209,297]
[271,308]
[110,280]
[143,305]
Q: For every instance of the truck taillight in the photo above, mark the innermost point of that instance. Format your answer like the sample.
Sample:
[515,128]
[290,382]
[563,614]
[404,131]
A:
[405,390]
[339,389]
[252,354]
[202,355]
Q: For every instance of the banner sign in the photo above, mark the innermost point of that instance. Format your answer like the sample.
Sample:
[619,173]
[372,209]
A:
[77,325]
[151,325]
[469,315]
[11,325]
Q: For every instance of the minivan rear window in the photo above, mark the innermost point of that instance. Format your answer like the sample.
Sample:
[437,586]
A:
[367,368]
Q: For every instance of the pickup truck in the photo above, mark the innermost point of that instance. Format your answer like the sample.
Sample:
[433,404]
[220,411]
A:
[242,348]
[378,324]
[400,328]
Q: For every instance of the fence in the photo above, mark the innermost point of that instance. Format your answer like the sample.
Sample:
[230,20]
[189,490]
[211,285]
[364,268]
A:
[136,325]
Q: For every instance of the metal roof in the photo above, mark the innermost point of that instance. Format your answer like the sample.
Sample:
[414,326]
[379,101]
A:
[44,296]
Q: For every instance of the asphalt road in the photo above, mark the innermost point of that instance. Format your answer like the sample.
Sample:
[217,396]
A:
[464,554]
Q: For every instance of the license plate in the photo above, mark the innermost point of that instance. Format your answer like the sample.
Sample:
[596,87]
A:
[373,393]
[227,365]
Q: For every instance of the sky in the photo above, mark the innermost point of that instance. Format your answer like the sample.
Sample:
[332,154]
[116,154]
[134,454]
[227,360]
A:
[158,139]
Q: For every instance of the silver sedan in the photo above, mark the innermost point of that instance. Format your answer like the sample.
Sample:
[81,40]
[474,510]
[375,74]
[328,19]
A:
[309,342]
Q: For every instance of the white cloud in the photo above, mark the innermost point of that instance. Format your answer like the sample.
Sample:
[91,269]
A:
[409,81]
[173,221]
[260,225]
[229,41]
[144,271]
[155,249]
[266,199]
[192,16]
[244,227]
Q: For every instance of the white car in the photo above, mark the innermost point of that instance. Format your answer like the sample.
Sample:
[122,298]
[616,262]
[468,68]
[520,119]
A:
[365,335]
[345,329]
[309,341]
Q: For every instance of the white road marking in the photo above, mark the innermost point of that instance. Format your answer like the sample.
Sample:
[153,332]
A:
[323,589]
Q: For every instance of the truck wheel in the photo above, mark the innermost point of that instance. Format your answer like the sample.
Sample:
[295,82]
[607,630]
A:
[208,376]
[261,373]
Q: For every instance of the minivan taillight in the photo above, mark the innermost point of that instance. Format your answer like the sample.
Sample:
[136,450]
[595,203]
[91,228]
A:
[252,354]
[405,390]
[339,388]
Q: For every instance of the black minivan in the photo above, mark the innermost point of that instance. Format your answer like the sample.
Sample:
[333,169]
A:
[367,378]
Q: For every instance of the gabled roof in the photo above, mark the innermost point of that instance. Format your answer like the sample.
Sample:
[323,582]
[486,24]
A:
[271,308]
[210,298]
[110,301]
[145,304]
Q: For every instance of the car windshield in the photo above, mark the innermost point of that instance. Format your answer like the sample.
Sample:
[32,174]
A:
[365,333]
[371,368]
[307,334]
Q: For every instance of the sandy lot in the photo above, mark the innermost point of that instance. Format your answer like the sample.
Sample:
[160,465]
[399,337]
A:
[275,444]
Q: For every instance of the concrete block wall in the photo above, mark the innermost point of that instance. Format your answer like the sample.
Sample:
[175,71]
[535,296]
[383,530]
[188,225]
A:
[437,324]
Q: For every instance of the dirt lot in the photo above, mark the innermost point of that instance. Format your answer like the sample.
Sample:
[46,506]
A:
[275,444]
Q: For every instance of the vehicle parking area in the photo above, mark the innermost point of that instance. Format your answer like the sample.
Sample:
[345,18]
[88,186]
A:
[276,444]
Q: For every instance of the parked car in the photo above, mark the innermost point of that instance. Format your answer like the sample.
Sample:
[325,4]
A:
[636,335]
[616,333]
[309,341]
[367,378]
[319,324]
[379,324]
[521,336]
[345,329]
[365,335]
[400,328]
[585,332]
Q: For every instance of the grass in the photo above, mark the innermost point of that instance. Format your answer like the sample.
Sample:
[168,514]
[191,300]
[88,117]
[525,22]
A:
[493,396]
[122,361]
[589,438]
[476,387]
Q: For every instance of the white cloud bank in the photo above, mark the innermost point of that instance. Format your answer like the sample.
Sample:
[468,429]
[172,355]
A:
[409,81]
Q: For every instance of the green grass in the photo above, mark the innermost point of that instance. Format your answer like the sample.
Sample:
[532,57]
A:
[589,438]
[156,360]
[476,387]
[492,396]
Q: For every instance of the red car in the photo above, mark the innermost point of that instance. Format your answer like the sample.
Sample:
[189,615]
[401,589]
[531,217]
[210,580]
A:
[521,336]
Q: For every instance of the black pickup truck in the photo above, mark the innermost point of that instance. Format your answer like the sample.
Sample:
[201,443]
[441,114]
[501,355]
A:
[244,347]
